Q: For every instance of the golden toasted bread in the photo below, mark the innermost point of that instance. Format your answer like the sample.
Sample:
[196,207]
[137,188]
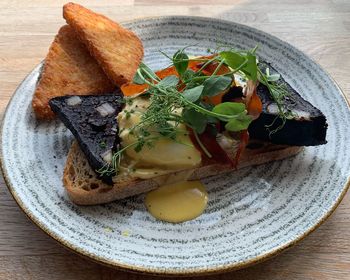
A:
[118,50]
[84,188]
[69,69]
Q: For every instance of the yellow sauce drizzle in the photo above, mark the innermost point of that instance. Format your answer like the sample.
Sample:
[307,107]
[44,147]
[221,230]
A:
[177,202]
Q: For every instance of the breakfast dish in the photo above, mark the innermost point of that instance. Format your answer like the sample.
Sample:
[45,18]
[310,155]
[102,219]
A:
[169,161]
[166,130]
[247,214]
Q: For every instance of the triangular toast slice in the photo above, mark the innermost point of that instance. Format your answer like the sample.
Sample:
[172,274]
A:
[69,69]
[118,50]
[305,126]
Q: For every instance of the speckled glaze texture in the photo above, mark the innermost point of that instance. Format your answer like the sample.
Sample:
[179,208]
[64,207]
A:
[252,213]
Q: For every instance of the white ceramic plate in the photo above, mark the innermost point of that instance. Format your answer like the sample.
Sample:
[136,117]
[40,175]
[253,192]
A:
[252,214]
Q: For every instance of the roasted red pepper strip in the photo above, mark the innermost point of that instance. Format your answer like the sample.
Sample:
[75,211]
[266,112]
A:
[210,143]
[244,138]
[132,89]
[254,108]
[253,102]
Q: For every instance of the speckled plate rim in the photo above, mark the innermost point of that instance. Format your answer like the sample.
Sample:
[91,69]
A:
[169,272]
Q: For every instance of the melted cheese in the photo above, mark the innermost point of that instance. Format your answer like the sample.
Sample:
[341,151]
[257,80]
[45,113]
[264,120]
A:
[164,156]
[177,202]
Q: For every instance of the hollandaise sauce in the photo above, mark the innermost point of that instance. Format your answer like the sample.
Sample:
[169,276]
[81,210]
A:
[178,202]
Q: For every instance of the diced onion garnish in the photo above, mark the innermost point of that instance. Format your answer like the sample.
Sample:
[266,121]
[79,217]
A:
[73,101]
[272,108]
[107,156]
[298,114]
[105,109]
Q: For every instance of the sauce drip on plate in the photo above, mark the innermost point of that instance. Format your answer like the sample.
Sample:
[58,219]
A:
[178,202]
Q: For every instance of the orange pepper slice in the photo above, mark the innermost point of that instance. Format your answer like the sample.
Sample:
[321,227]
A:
[132,89]
[255,106]
[170,71]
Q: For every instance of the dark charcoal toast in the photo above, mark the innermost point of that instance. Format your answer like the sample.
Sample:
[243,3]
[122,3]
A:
[97,133]
[308,126]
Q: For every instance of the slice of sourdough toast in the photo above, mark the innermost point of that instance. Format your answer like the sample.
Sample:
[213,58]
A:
[84,188]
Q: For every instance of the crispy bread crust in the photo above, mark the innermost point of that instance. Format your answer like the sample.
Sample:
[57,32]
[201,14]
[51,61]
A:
[84,188]
[69,69]
[118,50]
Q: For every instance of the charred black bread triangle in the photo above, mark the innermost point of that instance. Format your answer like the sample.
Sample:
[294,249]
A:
[308,126]
[96,133]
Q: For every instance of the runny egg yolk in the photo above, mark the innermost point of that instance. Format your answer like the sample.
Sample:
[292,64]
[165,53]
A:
[177,202]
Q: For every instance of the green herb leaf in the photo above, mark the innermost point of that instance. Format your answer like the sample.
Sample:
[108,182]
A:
[144,132]
[169,81]
[188,74]
[197,121]
[251,68]
[103,144]
[212,129]
[245,63]
[242,122]
[139,145]
[229,108]
[180,60]
[273,77]
[193,94]
[216,85]
[146,73]
[138,79]
[233,59]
